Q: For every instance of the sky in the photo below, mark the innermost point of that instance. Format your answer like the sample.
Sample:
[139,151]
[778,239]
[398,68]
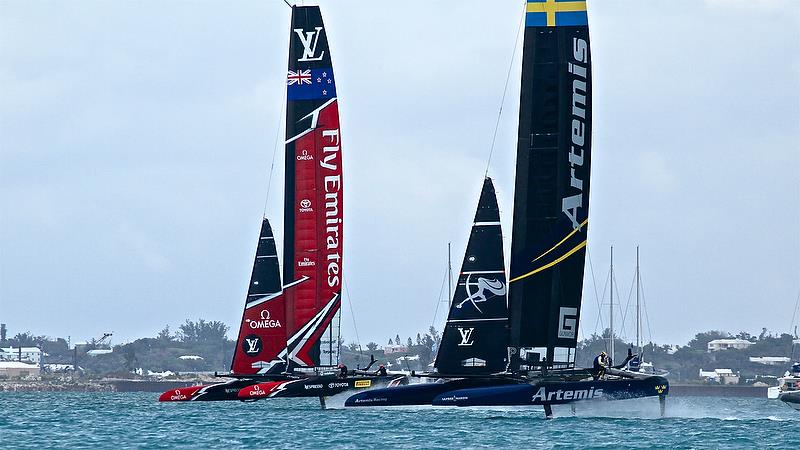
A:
[136,140]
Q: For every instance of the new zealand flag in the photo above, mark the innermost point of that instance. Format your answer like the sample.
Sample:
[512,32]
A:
[310,84]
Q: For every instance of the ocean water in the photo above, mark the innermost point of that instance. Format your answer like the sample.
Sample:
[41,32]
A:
[137,420]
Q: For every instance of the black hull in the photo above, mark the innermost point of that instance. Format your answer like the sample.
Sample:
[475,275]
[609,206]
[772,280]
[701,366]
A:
[507,392]
[547,393]
[417,394]
[326,386]
[791,398]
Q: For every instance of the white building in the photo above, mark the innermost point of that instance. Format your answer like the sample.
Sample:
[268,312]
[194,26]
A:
[29,354]
[771,360]
[390,349]
[16,369]
[724,344]
[721,376]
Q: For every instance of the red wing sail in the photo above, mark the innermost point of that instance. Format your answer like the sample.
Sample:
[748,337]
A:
[313,194]
[262,333]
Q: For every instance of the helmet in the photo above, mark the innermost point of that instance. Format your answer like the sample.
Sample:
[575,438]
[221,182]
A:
[382,366]
[603,353]
[340,366]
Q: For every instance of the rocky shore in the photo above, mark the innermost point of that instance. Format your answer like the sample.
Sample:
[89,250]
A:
[55,386]
[106,385]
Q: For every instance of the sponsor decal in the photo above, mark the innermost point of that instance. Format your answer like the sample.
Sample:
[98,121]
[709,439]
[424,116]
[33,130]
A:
[453,398]
[485,289]
[543,395]
[371,400]
[466,336]
[304,156]
[473,362]
[338,385]
[661,388]
[178,396]
[305,206]
[333,215]
[306,262]
[363,383]
[256,391]
[312,386]
[580,90]
[567,321]
[265,321]
[251,345]
[309,39]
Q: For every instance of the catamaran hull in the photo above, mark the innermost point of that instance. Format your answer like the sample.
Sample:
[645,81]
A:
[547,393]
[324,386]
[414,394]
[228,390]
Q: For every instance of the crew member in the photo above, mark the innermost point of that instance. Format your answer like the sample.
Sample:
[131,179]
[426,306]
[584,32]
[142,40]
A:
[599,365]
[342,371]
[381,372]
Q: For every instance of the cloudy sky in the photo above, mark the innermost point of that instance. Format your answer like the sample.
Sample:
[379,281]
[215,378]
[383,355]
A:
[136,139]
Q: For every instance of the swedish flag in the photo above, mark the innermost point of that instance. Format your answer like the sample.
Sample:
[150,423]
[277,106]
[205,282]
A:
[555,13]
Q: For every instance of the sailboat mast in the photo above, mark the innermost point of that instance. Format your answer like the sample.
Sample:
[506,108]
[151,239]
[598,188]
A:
[638,308]
[611,308]
[449,275]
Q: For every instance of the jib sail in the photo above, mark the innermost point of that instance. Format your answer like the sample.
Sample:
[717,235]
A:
[313,195]
[475,337]
[262,333]
[551,199]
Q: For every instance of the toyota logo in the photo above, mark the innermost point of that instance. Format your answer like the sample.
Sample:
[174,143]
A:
[305,203]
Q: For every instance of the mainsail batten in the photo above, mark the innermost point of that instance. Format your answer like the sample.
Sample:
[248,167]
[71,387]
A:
[313,209]
[551,199]
[475,336]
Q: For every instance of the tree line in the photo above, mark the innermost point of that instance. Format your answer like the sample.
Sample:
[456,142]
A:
[209,340]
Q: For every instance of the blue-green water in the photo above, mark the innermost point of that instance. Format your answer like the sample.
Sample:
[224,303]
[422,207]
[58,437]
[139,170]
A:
[136,420]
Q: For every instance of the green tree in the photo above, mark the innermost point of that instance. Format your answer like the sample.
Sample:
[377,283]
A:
[701,340]
[202,331]
[164,335]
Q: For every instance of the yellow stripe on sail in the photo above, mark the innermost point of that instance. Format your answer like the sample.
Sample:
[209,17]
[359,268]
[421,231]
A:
[562,241]
[547,266]
[551,7]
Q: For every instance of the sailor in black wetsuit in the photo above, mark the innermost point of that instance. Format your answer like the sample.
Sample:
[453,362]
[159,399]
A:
[599,365]
[342,371]
[381,372]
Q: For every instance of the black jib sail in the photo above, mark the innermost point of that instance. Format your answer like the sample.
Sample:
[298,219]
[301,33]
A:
[312,250]
[551,200]
[262,334]
[475,338]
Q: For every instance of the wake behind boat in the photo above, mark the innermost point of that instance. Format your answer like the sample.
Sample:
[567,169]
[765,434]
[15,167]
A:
[548,249]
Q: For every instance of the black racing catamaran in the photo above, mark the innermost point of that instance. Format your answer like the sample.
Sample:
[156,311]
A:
[288,343]
[550,224]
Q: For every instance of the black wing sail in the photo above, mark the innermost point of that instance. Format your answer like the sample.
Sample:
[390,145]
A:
[476,335]
[551,199]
